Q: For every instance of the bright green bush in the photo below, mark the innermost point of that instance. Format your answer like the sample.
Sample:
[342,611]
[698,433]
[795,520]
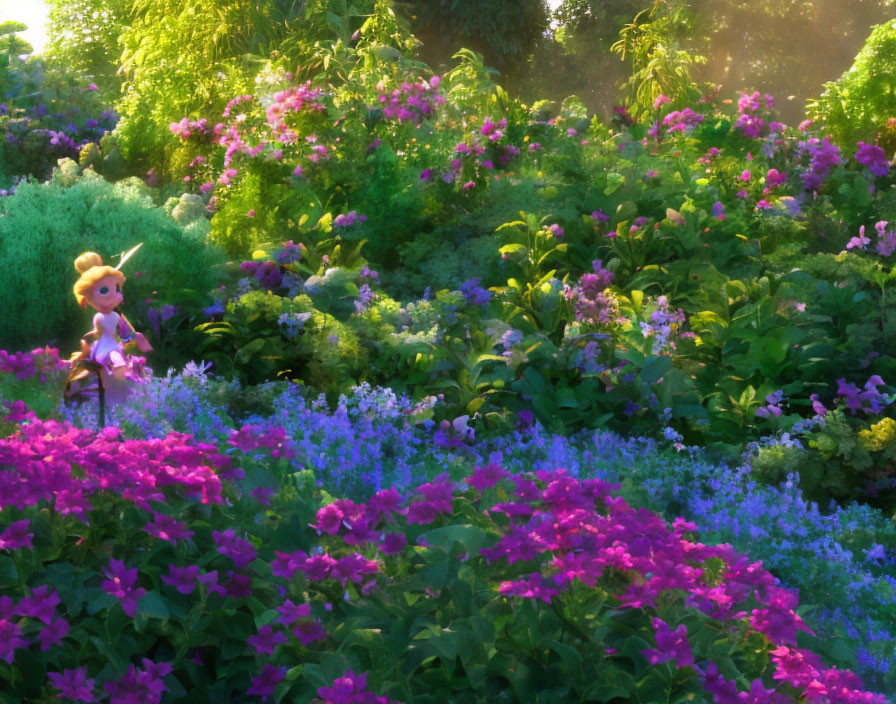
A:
[858,104]
[44,227]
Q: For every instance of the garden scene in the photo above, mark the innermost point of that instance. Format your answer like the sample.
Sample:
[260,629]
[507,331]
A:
[402,351]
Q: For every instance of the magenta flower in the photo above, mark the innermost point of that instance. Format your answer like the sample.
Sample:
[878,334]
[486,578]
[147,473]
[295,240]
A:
[164,527]
[487,476]
[182,578]
[266,640]
[121,584]
[353,567]
[263,686]
[53,633]
[317,567]
[10,640]
[16,536]
[73,684]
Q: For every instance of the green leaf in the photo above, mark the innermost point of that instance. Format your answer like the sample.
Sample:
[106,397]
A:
[655,368]
[471,537]
[9,576]
[152,605]
[615,181]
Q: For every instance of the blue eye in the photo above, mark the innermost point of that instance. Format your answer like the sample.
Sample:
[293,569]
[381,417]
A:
[104,290]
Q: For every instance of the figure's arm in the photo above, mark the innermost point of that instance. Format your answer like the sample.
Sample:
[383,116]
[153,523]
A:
[127,333]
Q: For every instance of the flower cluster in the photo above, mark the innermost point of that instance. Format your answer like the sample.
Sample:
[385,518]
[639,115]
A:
[751,109]
[411,102]
[38,464]
[592,301]
[874,158]
[42,363]
[823,157]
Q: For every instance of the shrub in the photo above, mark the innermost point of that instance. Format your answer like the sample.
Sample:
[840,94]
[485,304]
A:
[43,227]
[858,104]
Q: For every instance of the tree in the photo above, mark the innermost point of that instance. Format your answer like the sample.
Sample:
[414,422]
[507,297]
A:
[505,32]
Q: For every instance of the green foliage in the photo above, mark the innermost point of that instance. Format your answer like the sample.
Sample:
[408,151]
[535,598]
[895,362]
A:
[504,32]
[858,105]
[662,63]
[44,227]
[84,37]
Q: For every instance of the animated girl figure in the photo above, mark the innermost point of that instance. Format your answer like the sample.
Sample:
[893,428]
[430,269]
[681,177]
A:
[100,287]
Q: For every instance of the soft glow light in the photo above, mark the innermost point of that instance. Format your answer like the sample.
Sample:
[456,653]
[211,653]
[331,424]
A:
[32,13]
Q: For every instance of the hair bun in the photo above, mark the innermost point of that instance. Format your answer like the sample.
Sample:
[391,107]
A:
[87,261]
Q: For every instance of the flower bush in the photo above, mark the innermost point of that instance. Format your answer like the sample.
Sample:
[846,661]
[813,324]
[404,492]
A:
[276,608]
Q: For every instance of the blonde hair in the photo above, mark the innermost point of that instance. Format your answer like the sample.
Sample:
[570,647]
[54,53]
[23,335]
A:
[90,266]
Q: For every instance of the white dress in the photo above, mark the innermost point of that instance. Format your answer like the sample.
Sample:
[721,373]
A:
[106,349]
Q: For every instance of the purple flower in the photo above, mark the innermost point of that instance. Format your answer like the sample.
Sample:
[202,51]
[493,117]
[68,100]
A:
[309,631]
[10,640]
[266,640]
[121,584]
[73,684]
[263,494]
[210,580]
[53,633]
[41,604]
[874,158]
[290,613]
[182,578]
[264,685]
[670,645]
[16,536]
[393,543]
[860,242]
[487,476]
[164,527]
[474,293]
[237,549]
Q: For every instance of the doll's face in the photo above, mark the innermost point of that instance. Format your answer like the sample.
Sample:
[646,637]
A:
[105,295]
